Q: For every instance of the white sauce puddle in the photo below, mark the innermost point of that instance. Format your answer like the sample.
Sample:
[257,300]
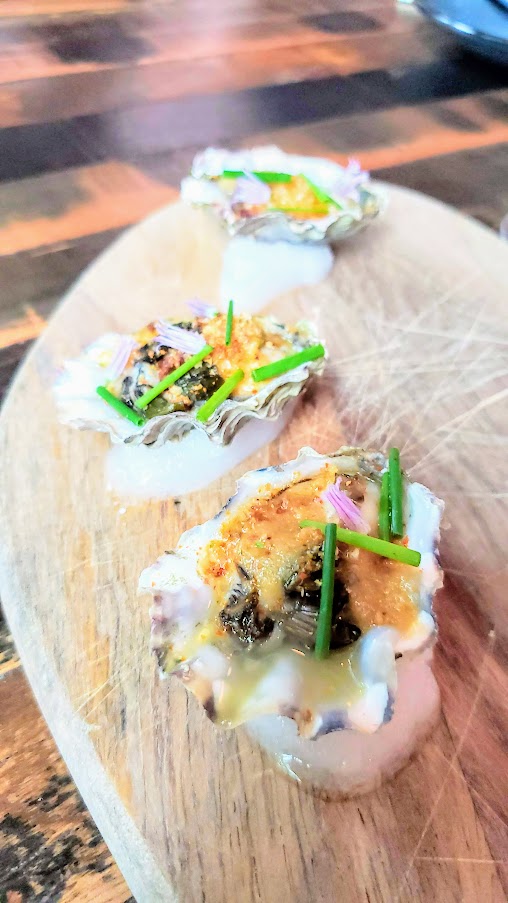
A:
[254,272]
[176,468]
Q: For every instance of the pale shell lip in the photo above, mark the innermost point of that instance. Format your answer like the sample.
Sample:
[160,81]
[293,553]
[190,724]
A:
[175,574]
[79,405]
[278,226]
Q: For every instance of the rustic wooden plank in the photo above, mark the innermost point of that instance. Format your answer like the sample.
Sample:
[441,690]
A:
[406,842]
[147,37]
[49,846]
[132,133]
[76,203]
[403,134]
[46,99]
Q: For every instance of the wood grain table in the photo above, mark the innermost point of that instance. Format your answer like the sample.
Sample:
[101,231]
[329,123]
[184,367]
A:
[102,106]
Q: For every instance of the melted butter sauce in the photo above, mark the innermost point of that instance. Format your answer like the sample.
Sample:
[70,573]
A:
[254,678]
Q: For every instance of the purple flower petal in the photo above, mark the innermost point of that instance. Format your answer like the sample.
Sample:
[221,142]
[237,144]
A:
[250,190]
[121,356]
[345,508]
[200,308]
[184,340]
[350,180]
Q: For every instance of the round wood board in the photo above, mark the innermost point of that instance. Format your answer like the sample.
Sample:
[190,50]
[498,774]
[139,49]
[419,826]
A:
[414,320]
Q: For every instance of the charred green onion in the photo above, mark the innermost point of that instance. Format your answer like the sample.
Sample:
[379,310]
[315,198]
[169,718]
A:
[288,363]
[269,177]
[370,543]
[206,411]
[396,493]
[119,406]
[171,378]
[384,508]
[324,621]
[320,194]
[229,324]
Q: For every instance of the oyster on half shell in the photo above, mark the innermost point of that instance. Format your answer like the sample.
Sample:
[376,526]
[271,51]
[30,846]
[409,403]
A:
[235,604]
[320,201]
[130,365]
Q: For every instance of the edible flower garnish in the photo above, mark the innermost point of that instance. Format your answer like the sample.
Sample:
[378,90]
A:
[119,406]
[288,363]
[395,485]
[229,324]
[250,190]
[121,356]
[184,340]
[171,378]
[370,543]
[324,621]
[200,308]
[212,403]
[350,181]
[345,507]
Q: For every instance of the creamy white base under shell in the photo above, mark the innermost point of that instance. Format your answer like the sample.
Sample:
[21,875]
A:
[348,762]
[136,473]
[254,272]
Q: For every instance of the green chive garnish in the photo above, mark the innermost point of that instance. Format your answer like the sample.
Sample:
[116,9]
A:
[324,621]
[321,195]
[370,543]
[229,324]
[396,492]
[262,176]
[119,406]
[384,508]
[212,403]
[171,378]
[288,363]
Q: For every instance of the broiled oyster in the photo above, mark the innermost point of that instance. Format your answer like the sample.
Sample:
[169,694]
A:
[169,378]
[237,604]
[277,196]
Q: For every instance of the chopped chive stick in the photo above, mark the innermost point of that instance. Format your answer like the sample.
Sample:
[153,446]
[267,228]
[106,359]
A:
[324,621]
[212,403]
[288,363]
[262,176]
[384,508]
[396,493]
[229,324]
[171,378]
[119,406]
[321,195]
[370,543]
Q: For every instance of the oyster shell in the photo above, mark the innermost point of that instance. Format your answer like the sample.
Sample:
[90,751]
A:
[80,406]
[245,668]
[349,187]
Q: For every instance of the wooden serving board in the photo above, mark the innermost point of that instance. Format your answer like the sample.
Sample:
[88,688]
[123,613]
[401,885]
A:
[415,320]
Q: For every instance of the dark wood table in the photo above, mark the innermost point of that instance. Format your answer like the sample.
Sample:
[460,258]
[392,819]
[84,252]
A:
[103,104]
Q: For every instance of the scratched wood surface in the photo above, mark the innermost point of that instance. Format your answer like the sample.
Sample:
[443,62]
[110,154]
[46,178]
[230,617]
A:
[191,812]
[367,78]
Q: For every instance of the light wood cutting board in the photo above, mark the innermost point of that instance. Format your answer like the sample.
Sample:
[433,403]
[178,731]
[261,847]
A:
[414,315]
